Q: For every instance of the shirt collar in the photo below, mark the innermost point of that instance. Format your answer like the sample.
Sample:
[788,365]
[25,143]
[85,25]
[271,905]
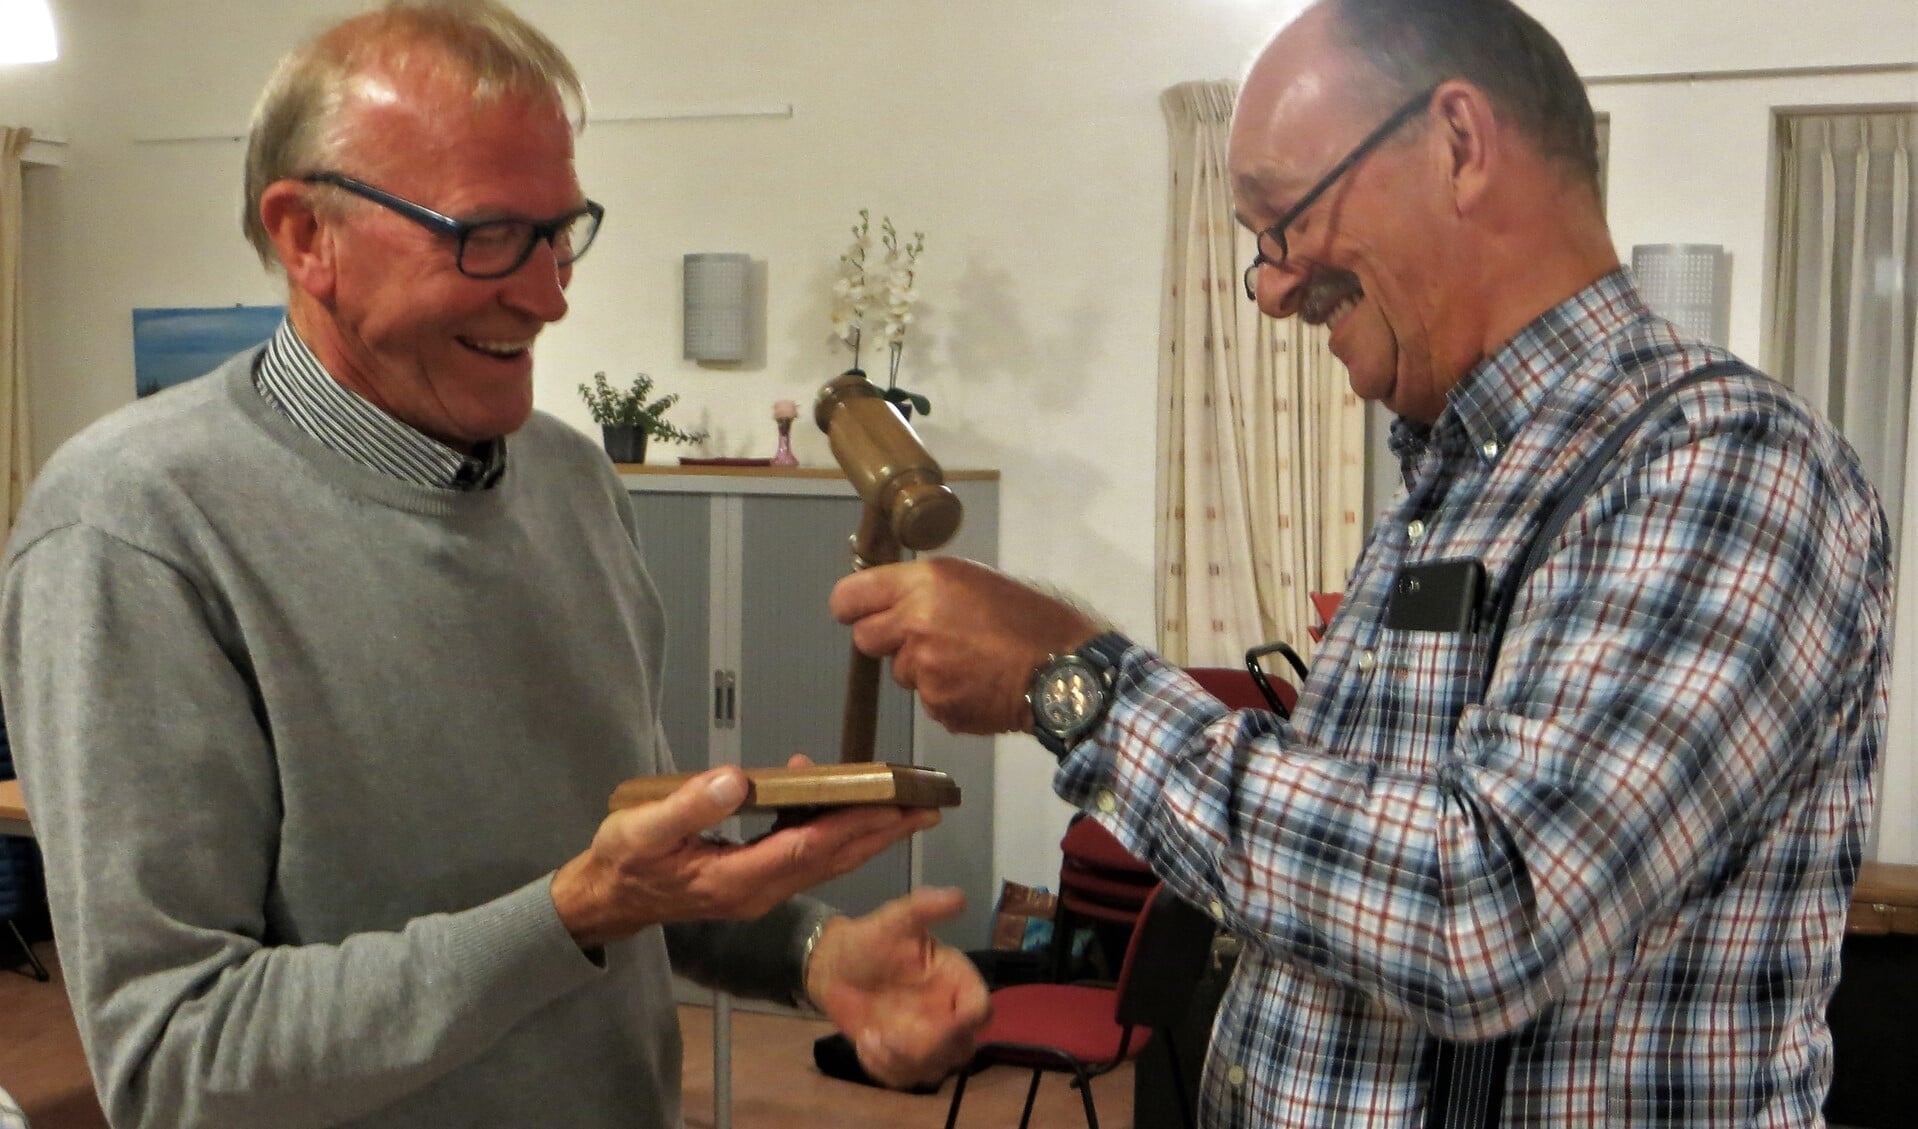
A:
[1503,392]
[291,378]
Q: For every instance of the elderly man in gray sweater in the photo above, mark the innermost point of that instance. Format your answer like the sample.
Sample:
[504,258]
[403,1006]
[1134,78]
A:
[321,668]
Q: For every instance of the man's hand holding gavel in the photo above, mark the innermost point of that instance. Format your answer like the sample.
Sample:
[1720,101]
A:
[965,637]
[912,1005]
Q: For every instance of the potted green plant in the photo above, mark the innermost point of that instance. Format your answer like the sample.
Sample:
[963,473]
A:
[627,418]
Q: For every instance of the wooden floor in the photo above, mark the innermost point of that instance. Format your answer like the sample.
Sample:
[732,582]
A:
[774,1083]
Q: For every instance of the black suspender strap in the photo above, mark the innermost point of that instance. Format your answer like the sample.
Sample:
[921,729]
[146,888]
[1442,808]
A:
[1468,1079]
[1569,499]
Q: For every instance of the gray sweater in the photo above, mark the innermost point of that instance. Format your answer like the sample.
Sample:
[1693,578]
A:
[304,745]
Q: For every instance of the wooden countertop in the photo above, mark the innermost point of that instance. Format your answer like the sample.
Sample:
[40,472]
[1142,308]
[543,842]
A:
[803,481]
[13,810]
[1885,900]
[731,471]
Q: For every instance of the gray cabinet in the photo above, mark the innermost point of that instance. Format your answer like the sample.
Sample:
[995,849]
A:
[756,666]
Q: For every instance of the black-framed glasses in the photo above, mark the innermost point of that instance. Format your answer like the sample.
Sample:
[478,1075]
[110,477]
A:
[485,248]
[1276,232]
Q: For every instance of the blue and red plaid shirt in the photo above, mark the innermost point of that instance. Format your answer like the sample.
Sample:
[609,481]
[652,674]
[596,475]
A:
[1635,851]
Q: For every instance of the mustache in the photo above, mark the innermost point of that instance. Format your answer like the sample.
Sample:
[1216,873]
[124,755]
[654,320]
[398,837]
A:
[1327,288]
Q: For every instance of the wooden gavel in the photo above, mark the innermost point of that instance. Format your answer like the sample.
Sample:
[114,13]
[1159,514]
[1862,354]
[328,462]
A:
[908,506]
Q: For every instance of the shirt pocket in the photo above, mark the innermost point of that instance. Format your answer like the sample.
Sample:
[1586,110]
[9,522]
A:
[1420,684]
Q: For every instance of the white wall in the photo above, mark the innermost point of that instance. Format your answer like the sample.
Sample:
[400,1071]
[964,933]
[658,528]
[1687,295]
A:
[1024,138]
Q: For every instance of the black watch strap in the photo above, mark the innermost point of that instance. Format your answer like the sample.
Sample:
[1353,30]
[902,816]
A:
[1105,652]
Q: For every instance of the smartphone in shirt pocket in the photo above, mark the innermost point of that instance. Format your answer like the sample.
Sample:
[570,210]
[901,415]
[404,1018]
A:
[1437,596]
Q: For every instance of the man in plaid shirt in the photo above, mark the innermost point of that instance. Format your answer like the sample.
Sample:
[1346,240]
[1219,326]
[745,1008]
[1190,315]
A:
[1627,853]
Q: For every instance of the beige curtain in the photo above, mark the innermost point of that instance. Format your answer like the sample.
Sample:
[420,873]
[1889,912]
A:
[1845,305]
[1847,280]
[16,447]
[1261,440]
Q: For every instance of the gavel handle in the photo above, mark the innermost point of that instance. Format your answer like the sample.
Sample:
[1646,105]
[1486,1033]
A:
[873,545]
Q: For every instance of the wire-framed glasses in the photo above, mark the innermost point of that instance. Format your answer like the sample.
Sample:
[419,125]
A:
[1276,233]
[485,248]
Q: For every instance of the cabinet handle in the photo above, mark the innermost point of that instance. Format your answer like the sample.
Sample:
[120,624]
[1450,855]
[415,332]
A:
[724,683]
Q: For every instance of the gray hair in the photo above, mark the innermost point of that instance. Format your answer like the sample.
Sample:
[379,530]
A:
[1491,44]
[296,125]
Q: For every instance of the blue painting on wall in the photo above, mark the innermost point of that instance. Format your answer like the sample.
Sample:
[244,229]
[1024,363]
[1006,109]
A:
[175,345]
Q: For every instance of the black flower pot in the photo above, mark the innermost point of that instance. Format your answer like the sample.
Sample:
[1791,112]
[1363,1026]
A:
[625,444]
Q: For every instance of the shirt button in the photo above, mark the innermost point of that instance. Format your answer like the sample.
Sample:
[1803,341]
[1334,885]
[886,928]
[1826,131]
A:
[1217,909]
[1491,449]
[1108,803]
[1236,1075]
[1414,530]
[1367,660]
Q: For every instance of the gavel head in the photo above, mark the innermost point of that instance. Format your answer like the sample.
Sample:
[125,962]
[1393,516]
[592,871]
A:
[886,463]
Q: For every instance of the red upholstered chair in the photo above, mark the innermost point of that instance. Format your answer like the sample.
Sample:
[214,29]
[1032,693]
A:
[1326,604]
[1237,689]
[1252,688]
[1086,1030]
[1089,845]
[1101,884]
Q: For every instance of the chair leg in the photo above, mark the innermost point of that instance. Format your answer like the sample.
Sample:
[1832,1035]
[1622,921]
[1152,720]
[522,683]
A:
[1085,1095]
[958,1095]
[1032,1092]
[39,970]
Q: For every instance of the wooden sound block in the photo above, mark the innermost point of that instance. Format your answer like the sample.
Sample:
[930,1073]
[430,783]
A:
[815,786]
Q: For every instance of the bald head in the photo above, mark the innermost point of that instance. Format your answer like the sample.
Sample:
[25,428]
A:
[1416,192]
[1302,76]
[1404,46]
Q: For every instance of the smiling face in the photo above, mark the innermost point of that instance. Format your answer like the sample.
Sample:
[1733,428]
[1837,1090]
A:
[1363,256]
[391,316]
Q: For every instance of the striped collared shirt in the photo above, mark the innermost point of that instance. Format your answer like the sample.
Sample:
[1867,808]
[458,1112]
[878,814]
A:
[1635,852]
[293,380]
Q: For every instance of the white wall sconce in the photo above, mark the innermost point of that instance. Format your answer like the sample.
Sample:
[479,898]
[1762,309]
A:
[26,32]
[1688,284]
[718,306]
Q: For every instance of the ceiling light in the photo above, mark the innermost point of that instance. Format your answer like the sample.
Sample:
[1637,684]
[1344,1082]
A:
[26,32]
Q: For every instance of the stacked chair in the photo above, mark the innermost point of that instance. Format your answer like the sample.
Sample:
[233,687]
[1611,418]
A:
[1102,886]
[1085,1030]
[1253,688]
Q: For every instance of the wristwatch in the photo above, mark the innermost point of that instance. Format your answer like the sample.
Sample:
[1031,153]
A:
[1070,693]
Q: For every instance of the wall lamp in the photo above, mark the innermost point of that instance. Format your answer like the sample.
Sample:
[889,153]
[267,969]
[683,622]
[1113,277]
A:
[26,32]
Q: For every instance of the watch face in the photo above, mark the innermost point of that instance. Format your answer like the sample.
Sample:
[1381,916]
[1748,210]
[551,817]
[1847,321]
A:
[1070,693]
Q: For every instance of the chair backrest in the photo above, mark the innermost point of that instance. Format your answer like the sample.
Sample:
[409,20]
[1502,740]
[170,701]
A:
[1236,688]
[1326,604]
[1098,877]
[1090,845]
[1113,887]
[1253,687]
[1163,965]
[1100,883]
